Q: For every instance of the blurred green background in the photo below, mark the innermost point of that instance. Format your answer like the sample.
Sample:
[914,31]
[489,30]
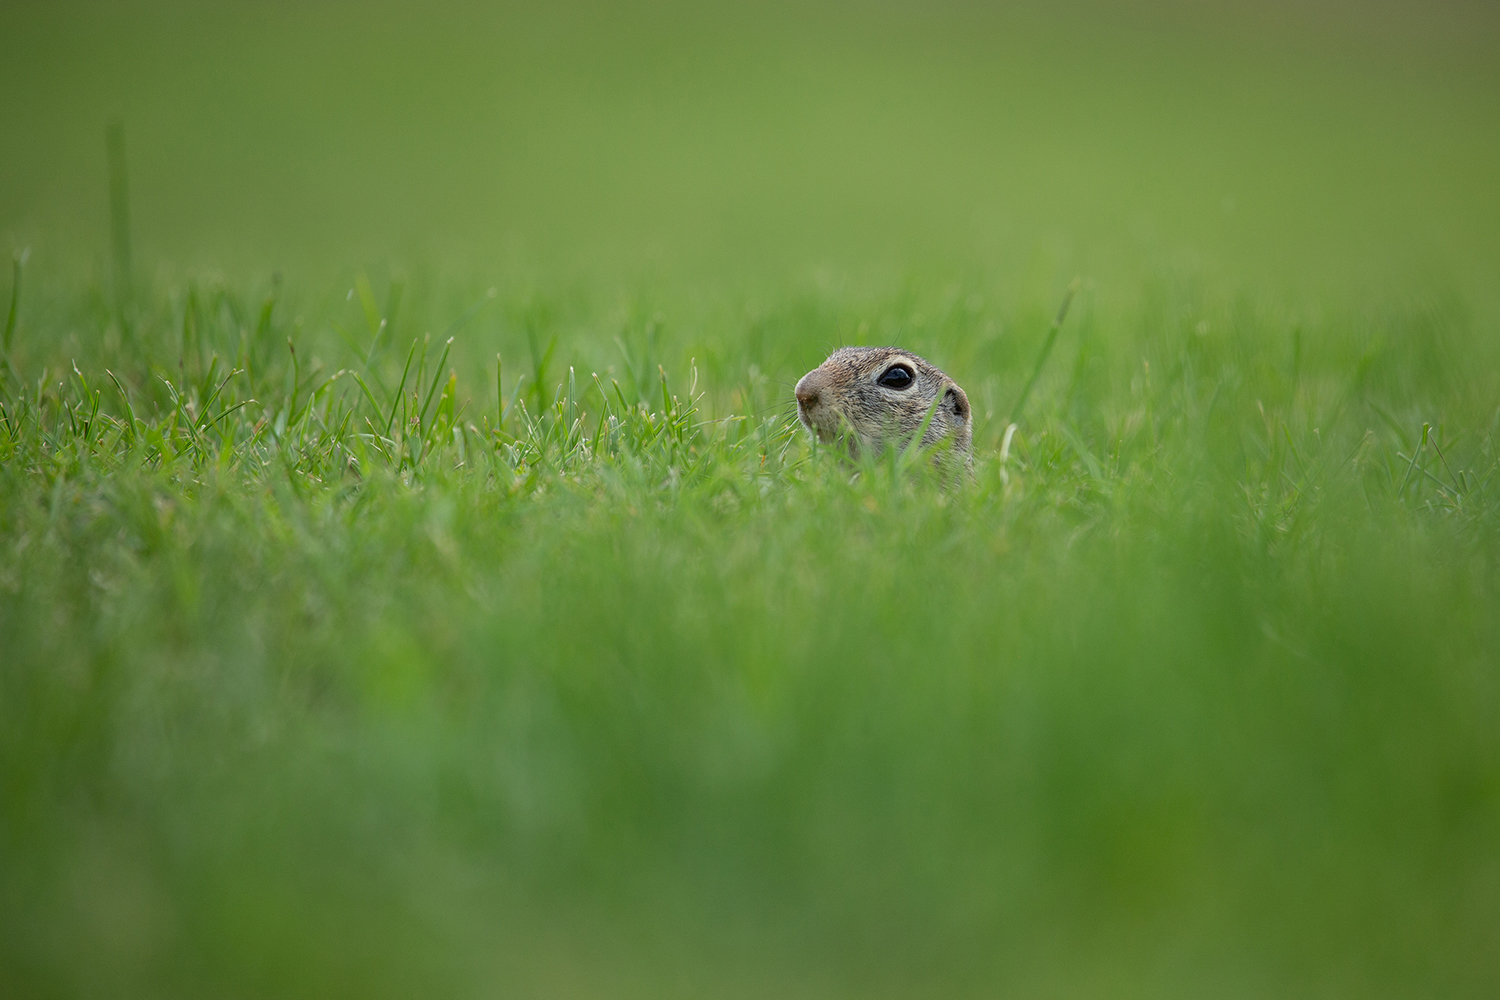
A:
[1298,142]
[1197,695]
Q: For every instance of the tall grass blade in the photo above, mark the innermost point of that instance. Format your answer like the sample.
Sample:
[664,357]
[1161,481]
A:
[437,377]
[125,398]
[17,264]
[1046,352]
[1416,453]
[396,401]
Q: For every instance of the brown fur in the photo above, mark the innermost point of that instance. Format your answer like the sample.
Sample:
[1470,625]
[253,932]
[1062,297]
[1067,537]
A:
[842,396]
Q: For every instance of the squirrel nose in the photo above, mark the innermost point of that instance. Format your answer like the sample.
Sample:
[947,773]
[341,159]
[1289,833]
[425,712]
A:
[807,392]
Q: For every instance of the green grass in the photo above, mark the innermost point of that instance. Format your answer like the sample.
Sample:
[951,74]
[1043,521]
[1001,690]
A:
[541,654]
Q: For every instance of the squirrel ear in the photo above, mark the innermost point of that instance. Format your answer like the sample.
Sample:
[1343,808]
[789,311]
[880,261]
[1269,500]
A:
[955,397]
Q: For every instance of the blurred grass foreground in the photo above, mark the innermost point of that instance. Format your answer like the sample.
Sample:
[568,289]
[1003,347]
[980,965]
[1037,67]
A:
[412,581]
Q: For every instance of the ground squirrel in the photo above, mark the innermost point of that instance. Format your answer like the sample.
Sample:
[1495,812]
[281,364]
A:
[880,396]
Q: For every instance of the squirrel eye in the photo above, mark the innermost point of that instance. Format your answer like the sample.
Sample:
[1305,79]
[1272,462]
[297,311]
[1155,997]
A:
[896,377]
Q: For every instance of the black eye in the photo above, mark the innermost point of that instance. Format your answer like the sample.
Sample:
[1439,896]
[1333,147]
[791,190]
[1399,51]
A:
[896,377]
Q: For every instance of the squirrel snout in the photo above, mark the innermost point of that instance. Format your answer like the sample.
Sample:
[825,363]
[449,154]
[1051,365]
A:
[807,391]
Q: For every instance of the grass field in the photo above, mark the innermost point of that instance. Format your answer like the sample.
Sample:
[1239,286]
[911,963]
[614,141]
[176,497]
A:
[413,581]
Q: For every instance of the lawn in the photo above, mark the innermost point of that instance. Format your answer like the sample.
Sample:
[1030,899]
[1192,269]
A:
[414,581]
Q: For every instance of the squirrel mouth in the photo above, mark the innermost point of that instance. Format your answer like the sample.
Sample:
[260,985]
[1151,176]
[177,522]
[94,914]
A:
[809,417]
[825,424]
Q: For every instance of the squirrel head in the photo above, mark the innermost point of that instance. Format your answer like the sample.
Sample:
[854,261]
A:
[880,396]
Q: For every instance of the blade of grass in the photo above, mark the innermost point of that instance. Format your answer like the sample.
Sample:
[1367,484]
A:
[348,339]
[209,402]
[388,323]
[367,303]
[915,446]
[124,396]
[1415,453]
[437,377]
[391,419]
[17,264]
[1041,361]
